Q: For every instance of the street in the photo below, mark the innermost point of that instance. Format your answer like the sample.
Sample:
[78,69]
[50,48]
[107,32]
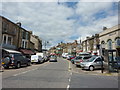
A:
[61,74]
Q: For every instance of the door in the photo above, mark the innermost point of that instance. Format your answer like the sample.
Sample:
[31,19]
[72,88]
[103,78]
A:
[98,63]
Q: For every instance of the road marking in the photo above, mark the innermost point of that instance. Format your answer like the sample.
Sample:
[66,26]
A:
[68,86]
[71,73]
[69,67]
[69,79]
[24,72]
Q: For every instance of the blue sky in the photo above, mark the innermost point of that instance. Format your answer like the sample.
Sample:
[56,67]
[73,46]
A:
[64,21]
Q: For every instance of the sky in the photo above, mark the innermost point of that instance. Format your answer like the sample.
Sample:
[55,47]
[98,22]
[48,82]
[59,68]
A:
[62,21]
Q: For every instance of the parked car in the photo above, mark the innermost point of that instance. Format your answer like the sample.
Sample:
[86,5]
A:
[70,57]
[80,59]
[15,60]
[84,54]
[64,55]
[37,59]
[53,58]
[95,62]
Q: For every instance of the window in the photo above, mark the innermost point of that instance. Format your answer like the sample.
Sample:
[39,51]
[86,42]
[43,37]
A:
[4,26]
[103,44]
[109,44]
[27,36]
[4,39]
[9,40]
[14,30]
[86,57]
[98,60]
[23,35]
[117,42]
[24,43]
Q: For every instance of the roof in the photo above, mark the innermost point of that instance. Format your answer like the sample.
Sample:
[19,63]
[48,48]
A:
[24,51]
[109,30]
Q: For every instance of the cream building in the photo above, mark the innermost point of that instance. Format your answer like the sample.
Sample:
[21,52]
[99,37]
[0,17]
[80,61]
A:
[110,37]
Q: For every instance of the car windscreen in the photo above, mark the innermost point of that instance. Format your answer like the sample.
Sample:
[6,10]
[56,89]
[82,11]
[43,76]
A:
[91,59]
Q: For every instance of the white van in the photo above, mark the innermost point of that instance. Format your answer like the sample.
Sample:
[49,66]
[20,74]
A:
[64,55]
[36,59]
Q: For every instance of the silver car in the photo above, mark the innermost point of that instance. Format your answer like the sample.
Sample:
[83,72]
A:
[78,60]
[95,62]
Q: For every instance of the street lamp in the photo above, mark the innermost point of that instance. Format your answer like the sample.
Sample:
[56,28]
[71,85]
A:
[45,44]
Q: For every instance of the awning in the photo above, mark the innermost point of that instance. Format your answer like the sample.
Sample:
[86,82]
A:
[11,51]
[24,51]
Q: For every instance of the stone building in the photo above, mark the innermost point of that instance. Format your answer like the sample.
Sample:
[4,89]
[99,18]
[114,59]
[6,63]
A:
[90,43]
[14,37]
[35,43]
[10,34]
[110,38]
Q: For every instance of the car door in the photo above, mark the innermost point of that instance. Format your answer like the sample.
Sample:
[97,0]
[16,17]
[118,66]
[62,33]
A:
[22,59]
[25,60]
[98,62]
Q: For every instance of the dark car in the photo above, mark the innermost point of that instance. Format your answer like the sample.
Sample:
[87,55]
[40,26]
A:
[15,60]
[53,58]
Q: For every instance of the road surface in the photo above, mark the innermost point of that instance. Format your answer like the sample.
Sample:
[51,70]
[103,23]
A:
[59,74]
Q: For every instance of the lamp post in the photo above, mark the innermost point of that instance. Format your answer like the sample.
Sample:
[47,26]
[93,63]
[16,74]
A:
[45,45]
[74,51]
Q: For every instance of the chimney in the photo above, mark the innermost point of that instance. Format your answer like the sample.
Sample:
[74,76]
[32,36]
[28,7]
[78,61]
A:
[75,41]
[30,32]
[104,28]
[19,24]
[87,37]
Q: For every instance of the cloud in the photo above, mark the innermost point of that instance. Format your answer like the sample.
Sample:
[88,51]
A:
[92,21]
[49,20]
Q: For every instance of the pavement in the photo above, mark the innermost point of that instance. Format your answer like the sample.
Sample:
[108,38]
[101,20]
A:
[61,74]
[95,72]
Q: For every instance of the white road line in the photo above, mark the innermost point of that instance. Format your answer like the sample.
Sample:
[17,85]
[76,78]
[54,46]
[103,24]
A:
[71,73]
[68,86]
[69,79]
[24,72]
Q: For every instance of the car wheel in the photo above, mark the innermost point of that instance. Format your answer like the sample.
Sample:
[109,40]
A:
[6,67]
[18,65]
[91,68]
[28,64]
[72,62]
